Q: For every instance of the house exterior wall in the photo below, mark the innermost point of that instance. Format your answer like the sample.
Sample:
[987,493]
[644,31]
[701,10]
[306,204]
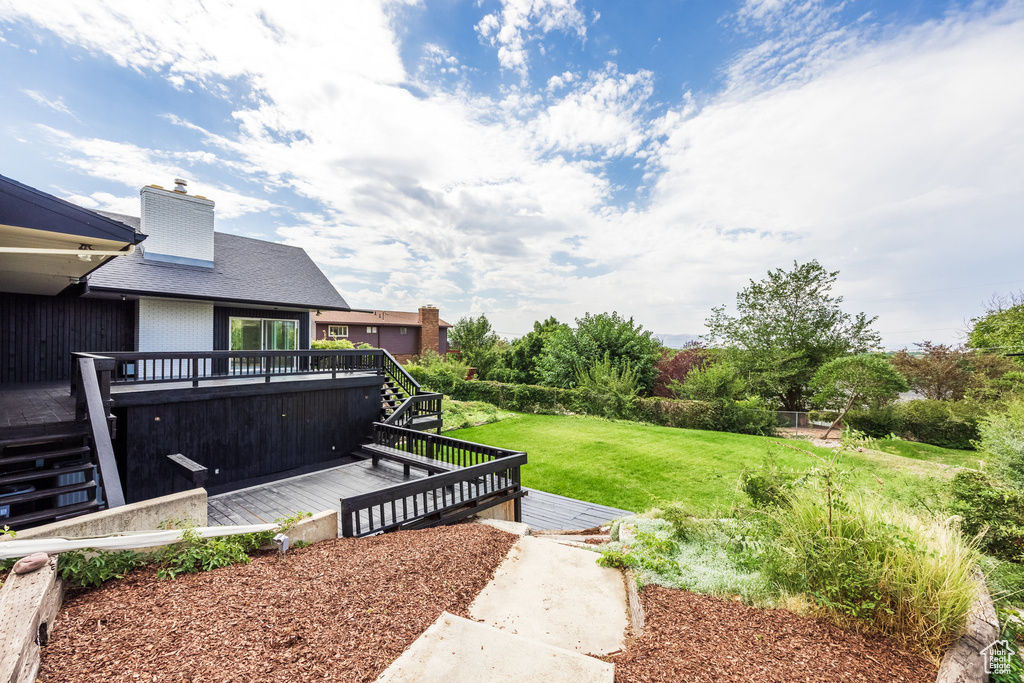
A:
[399,344]
[222,323]
[389,337]
[38,334]
[357,334]
[179,227]
[442,341]
[175,325]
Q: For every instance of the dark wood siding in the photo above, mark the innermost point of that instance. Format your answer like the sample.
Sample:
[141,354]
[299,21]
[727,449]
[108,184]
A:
[244,437]
[222,325]
[39,333]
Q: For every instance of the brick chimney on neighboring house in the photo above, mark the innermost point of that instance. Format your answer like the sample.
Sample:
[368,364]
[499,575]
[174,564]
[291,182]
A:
[430,329]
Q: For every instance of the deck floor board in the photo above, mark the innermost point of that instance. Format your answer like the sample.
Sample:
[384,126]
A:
[324,490]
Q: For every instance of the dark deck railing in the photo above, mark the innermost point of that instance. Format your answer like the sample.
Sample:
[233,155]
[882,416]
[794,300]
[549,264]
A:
[484,476]
[420,405]
[438,499]
[443,448]
[135,367]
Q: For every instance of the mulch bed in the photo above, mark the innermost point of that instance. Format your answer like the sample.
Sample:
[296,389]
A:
[694,638]
[340,610]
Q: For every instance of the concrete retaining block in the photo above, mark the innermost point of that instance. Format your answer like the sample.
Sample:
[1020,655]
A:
[963,661]
[142,516]
[320,527]
[28,606]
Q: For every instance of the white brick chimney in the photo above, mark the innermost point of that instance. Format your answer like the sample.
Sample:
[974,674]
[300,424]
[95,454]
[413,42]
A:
[179,226]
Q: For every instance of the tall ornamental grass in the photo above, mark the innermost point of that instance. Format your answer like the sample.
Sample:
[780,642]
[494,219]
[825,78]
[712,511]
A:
[866,563]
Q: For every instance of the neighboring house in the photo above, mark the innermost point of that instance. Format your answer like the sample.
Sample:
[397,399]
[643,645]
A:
[186,288]
[403,334]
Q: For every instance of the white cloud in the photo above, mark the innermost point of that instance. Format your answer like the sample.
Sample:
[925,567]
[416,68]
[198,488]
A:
[57,104]
[523,21]
[896,160]
[135,166]
[602,115]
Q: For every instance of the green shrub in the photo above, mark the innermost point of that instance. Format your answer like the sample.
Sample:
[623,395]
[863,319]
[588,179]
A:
[768,487]
[865,561]
[949,424]
[989,506]
[327,344]
[1002,435]
[753,415]
[877,423]
[88,568]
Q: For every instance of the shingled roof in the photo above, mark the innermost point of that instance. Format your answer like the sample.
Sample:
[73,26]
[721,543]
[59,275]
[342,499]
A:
[246,271]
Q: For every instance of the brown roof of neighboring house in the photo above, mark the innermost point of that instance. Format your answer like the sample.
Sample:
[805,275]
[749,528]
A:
[402,318]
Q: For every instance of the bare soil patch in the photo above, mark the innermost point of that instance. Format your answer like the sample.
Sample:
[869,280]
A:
[695,638]
[341,610]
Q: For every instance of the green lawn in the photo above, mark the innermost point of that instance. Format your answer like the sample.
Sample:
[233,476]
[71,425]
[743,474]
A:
[635,466]
[923,451]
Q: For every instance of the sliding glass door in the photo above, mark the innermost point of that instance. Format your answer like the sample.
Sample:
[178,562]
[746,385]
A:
[263,334]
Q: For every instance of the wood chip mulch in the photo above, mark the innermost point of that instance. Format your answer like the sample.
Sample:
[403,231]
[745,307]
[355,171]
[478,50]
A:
[340,611]
[696,638]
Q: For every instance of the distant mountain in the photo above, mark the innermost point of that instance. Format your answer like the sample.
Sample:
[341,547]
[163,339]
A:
[676,341]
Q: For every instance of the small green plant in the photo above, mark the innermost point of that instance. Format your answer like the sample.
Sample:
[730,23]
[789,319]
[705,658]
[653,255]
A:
[769,487]
[89,568]
[194,554]
[1012,631]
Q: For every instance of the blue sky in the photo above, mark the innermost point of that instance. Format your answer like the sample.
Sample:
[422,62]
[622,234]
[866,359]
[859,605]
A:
[528,158]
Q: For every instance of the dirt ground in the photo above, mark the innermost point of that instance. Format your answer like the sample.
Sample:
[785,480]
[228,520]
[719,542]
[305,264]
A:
[696,638]
[336,611]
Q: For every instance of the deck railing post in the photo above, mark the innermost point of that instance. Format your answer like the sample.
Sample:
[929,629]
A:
[346,519]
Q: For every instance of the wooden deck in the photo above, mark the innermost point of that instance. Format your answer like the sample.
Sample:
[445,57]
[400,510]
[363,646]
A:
[37,403]
[322,491]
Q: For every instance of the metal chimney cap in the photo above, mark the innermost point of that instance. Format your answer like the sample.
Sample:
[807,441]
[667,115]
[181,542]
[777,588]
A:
[179,185]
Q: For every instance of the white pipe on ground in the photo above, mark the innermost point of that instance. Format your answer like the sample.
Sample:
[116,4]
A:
[127,541]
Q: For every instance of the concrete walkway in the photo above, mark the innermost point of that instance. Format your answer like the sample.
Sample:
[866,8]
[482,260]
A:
[547,607]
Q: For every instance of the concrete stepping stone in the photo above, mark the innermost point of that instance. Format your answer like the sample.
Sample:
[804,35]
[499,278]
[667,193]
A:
[457,650]
[558,595]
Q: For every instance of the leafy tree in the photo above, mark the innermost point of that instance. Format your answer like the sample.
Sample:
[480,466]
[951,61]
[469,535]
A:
[937,371]
[626,344]
[787,326]
[714,382]
[864,381]
[470,334]
[522,357]
[1001,328]
[673,367]
[478,344]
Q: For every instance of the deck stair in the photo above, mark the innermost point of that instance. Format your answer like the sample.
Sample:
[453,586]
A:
[46,477]
[404,403]
[391,397]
